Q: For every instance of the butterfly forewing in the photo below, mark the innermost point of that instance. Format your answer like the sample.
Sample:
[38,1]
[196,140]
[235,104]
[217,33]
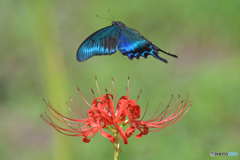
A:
[102,42]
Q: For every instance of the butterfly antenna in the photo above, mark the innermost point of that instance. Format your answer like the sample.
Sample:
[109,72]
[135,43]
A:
[103,18]
[110,14]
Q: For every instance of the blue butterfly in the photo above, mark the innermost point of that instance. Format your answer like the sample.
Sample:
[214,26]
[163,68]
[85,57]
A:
[129,41]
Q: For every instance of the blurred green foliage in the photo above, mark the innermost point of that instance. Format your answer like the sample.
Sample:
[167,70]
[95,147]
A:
[38,47]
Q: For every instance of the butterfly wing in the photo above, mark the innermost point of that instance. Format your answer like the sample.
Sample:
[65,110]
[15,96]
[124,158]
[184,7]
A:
[133,45]
[102,42]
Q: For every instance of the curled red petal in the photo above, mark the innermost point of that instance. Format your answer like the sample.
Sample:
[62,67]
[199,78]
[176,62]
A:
[106,135]
[130,130]
[122,134]
[143,131]
[85,140]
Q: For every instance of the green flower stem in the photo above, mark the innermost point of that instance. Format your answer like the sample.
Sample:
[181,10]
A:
[111,129]
[116,149]
[115,134]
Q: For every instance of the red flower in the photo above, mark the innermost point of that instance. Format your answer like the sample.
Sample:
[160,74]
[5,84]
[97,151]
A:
[103,115]
[156,123]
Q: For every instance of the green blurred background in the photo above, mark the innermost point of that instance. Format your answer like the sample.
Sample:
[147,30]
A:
[39,40]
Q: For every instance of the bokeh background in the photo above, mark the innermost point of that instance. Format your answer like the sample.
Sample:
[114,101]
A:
[39,40]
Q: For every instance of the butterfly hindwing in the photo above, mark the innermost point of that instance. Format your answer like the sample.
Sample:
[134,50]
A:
[133,45]
[102,42]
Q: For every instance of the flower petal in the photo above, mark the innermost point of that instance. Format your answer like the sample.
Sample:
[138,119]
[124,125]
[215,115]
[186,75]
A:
[85,140]
[106,135]
[130,130]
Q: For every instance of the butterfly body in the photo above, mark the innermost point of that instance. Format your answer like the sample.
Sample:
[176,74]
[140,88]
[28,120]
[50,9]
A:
[129,42]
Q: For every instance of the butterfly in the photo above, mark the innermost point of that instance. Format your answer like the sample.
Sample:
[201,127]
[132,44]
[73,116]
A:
[129,41]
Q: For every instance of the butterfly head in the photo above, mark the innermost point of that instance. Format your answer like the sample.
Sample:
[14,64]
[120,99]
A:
[119,24]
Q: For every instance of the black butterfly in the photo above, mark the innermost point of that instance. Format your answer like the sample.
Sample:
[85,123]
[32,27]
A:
[129,41]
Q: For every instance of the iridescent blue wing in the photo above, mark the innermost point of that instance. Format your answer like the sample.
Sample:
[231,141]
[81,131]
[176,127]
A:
[102,42]
[133,45]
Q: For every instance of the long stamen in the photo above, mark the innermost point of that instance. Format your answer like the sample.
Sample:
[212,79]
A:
[128,86]
[49,106]
[76,109]
[138,95]
[137,98]
[71,126]
[114,91]
[92,93]
[145,110]
[155,111]
[83,97]
[71,111]
[109,88]
[97,86]
[187,109]
[166,109]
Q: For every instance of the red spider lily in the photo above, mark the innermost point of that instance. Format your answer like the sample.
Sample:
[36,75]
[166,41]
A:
[156,123]
[103,115]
